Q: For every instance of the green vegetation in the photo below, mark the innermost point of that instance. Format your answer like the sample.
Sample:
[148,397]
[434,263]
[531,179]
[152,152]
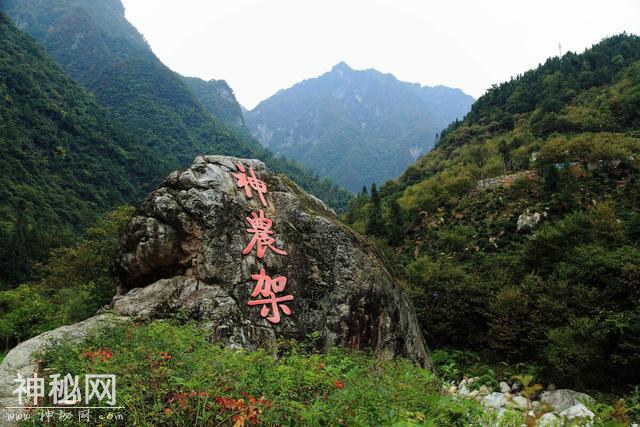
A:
[218,98]
[110,57]
[563,295]
[168,373]
[75,283]
[66,158]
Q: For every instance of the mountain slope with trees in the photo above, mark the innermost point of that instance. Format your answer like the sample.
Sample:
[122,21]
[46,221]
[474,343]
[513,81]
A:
[356,127]
[218,98]
[97,46]
[519,234]
[65,159]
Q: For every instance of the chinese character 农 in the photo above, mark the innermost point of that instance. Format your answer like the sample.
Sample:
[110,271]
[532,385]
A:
[65,390]
[32,387]
[101,386]
[261,229]
[251,182]
[267,288]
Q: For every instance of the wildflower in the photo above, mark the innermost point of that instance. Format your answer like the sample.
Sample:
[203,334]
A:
[102,354]
[339,384]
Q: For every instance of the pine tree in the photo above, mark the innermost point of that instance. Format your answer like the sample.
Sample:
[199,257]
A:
[375,224]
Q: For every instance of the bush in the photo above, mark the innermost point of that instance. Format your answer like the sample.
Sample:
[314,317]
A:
[169,374]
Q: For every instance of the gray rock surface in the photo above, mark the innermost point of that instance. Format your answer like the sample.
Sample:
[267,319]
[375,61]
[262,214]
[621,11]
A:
[21,358]
[577,411]
[182,251]
[562,399]
[495,400]
[528,221]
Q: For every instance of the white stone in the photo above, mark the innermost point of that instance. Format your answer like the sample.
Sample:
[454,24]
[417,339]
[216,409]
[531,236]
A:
[563,399]
[463,390]
[549,420]
[577,411]
[495,400]
[521,402]
[504,387]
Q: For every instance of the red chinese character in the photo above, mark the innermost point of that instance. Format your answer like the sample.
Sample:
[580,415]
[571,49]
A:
[250,182]
[267,288]
[261,229]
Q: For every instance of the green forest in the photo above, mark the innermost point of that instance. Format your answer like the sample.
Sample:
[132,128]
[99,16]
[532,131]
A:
[565,296]
[69,156]
[516,238]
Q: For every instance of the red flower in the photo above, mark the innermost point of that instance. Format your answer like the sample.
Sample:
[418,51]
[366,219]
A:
[167,411]
[164,355]
[101,354]
[339,384]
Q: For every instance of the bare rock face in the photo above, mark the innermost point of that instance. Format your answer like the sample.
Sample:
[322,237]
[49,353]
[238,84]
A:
[183,252]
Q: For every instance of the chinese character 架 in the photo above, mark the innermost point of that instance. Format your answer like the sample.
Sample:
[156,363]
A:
[267,288]
[250,182]
[261,229]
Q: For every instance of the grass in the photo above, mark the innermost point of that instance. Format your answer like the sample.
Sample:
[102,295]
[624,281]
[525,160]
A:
[169,374]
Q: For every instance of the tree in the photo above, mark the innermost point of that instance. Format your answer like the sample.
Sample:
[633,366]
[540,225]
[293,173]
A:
[505,152]
[395,228]
[375,224]
[479,154]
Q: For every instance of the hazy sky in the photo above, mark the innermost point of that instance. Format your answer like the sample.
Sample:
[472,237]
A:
[261,46]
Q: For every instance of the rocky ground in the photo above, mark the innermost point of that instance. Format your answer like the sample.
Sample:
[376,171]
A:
[550,407]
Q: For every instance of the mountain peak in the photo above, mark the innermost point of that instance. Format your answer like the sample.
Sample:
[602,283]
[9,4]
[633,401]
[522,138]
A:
[341,66]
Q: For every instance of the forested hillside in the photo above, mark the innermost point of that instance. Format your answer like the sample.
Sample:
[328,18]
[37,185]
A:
[356,126]
[218,98]
[70,154]
[96,45]
[519,234]
[65,159]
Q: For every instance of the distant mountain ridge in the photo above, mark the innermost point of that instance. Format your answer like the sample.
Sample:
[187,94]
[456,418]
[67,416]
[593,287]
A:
[179,118]
[91,119]
[218,98]
[65,158]
[356,126]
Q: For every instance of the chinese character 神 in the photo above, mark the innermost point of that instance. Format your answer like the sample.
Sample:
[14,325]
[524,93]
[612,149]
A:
[32,387]
[251,182]
[101,386]
[65,390]
[267,288]
[261,227]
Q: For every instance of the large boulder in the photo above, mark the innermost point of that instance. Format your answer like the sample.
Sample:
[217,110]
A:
[183,252]
[564,399]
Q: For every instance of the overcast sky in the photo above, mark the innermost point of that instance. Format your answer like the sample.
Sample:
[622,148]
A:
[261,46]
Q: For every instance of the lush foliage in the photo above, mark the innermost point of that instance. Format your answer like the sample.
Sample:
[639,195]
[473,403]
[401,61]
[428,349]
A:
[95,44]
[564,295]
[75,284]
[218,98]
[356,127]
[66,158]
[171,374]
